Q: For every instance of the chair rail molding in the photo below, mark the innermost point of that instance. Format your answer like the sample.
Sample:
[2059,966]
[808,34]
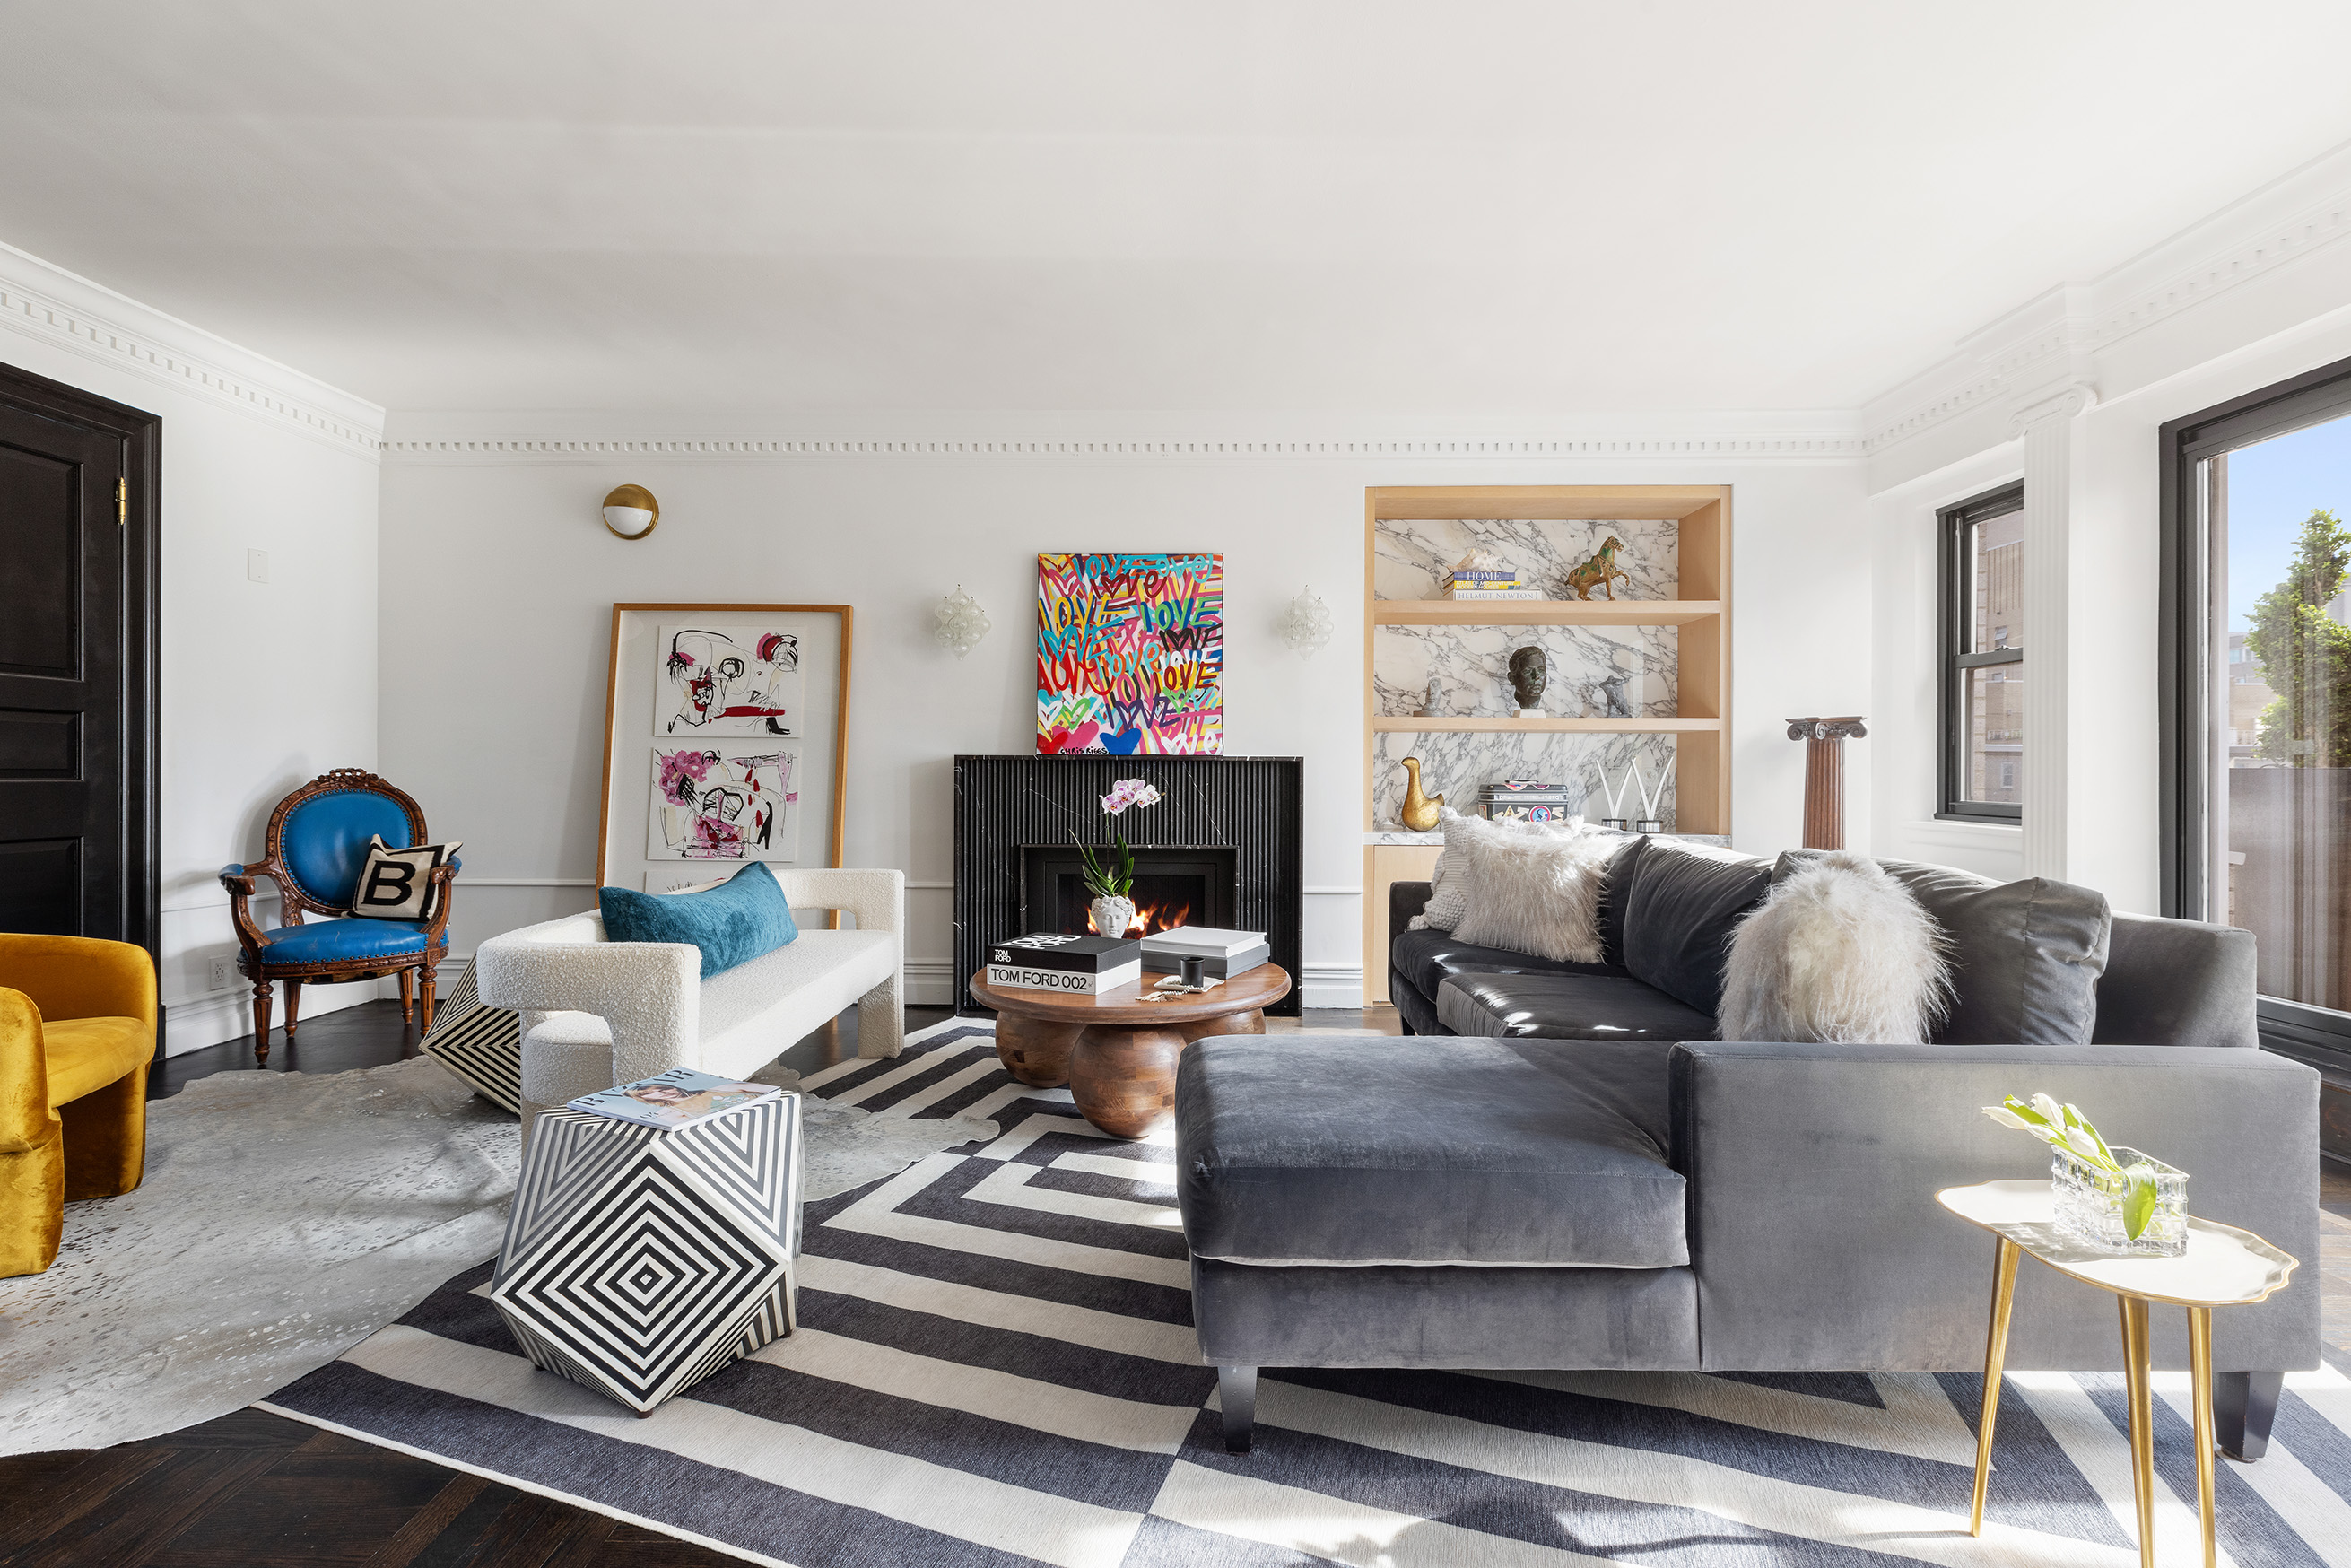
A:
[50,305]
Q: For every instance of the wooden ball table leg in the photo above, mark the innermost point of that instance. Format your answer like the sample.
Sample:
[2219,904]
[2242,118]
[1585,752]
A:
[1232,1023]
[1123,1080]
[1035,1052]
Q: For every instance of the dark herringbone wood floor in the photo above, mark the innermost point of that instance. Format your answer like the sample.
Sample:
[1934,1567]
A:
[256,1490]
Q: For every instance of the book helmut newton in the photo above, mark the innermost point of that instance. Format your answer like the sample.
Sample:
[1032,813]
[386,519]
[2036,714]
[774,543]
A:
[1073,964]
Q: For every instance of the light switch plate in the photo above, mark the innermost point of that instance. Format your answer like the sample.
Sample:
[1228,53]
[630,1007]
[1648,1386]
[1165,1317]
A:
[256,565]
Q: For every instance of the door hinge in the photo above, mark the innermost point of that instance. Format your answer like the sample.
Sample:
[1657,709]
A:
[122,503]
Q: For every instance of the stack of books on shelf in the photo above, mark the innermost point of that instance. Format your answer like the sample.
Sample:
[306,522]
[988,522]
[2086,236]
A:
[1073,966]
[1222,954]
[1527,800]
[1497,582]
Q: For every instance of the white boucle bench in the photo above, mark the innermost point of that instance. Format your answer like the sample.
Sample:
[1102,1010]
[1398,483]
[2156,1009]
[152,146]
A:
[597,1012]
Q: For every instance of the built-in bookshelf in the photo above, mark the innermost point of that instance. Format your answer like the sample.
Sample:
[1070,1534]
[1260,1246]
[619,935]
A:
[1658,654]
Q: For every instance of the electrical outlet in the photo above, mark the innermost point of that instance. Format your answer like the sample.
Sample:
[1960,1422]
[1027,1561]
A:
[220,973]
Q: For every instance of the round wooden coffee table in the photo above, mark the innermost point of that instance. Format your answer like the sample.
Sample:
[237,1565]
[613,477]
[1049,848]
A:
[1117,1051]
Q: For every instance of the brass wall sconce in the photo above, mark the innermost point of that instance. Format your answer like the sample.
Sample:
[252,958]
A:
[631,512]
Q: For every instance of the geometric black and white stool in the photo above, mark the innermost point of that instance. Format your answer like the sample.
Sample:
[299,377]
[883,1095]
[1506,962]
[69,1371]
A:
[639,1260]
[481,1044]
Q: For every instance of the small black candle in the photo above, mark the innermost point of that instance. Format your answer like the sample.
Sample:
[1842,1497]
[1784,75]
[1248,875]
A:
[1194,971]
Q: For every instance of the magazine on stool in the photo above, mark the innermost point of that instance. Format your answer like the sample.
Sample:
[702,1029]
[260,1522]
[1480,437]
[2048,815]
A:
[678,1098]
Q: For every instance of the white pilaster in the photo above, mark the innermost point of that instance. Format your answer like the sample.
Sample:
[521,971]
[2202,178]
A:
[2046,421]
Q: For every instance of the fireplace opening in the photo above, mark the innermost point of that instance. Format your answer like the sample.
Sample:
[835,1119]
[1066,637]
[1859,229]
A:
[1172,887]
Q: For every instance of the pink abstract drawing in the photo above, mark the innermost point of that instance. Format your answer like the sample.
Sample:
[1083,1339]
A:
[710,803]
[723,682]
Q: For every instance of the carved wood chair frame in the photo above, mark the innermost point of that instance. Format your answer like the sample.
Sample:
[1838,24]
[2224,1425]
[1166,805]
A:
[294,899]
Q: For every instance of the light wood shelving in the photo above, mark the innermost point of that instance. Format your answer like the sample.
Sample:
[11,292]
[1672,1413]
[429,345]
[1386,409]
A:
[1550,726]
[1702,755]
[1543,613]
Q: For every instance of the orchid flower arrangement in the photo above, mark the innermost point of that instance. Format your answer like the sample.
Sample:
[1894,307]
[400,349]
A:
[2064,1127]
[1113,877]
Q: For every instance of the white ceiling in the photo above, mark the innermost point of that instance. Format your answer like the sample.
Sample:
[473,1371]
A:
[1368,205]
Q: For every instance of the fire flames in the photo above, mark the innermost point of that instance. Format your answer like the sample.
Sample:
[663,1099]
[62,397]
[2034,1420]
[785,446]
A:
[1153,914]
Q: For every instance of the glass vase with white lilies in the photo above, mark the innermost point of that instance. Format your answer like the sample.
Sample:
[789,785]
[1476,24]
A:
[2118,1199]
[1112,879]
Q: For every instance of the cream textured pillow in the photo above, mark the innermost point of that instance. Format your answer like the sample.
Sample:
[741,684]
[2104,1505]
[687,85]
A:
[1532,891]
[1842,953]
[1448,893]
[1449,886]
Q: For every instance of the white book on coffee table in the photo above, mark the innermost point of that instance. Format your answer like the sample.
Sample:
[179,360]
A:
[1201,942]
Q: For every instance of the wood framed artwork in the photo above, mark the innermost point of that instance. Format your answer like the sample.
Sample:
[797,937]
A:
[1131,654]
[726,740]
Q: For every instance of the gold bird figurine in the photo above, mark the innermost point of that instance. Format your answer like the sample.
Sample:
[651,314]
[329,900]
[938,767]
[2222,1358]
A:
[1419,810]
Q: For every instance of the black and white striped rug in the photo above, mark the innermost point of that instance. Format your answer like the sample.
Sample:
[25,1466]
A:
[995,1367]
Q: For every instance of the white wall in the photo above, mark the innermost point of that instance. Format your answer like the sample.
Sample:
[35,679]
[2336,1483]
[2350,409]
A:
[498,577]
[2257,294]
[263,685]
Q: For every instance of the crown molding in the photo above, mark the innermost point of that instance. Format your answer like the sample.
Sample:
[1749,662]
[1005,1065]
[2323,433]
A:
[2058,337]
[1756,438]
[50,305]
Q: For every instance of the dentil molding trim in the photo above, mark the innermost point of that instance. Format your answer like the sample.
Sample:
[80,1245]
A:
[1826,445]
[50,305]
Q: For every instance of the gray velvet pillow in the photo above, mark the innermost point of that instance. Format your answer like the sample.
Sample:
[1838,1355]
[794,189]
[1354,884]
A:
[1680,908]
[2026,955]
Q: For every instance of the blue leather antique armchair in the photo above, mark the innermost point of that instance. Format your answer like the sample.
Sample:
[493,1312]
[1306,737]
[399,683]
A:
[317,845]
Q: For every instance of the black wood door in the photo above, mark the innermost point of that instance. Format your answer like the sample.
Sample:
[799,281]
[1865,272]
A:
[77,613]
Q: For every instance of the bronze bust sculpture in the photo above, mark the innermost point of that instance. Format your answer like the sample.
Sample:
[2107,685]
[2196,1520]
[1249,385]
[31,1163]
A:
[1529,672]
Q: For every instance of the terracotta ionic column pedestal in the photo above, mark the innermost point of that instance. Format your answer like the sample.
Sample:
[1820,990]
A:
[1824,777]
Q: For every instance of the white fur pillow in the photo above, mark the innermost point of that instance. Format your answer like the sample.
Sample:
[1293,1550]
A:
[1532,891]
[1840,953]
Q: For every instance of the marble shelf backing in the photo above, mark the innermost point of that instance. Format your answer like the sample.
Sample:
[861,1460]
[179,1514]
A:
[1411,557]
[1395,836]
[1458,764]
[1471,664]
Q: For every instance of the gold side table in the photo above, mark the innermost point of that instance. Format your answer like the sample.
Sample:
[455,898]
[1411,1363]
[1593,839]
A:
[2223,1267]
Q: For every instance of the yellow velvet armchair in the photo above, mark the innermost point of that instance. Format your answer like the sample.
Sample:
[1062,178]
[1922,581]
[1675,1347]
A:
[77,1032]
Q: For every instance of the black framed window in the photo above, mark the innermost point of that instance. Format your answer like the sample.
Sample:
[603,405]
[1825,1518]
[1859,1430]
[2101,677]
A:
[2254,664]
[1984,665]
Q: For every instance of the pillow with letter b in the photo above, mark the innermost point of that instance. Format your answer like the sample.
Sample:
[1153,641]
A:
[396,885]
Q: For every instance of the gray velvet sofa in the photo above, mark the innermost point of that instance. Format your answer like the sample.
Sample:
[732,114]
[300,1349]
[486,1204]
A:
[1584,1179]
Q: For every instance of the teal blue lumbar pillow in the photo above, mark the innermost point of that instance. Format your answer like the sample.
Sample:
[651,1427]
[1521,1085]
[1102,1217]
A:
[732,924]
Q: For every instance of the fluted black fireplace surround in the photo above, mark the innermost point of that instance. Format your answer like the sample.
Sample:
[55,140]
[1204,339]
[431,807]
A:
[1248,811]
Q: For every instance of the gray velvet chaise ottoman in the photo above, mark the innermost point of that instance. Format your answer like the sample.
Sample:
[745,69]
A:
[1465,1202]
[1364,1201]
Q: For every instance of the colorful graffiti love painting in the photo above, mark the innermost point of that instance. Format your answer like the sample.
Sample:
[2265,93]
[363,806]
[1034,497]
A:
[1131,653]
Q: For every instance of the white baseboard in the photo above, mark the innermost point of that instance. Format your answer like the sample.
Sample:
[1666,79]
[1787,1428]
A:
[194,1022]
[930,983]
[1332,985]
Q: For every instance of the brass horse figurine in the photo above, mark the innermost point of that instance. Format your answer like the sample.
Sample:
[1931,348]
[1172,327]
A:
[1596,573]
